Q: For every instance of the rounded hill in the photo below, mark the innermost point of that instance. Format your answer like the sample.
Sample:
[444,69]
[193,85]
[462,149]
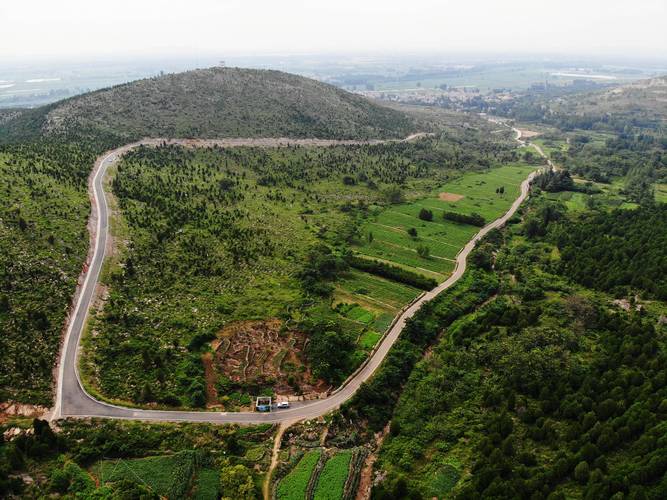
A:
[217,102]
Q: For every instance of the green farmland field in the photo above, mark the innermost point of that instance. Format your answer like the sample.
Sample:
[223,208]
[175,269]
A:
[207,486]
[331,482]
[384,293]
[392,243]
[294,485]
[155,472]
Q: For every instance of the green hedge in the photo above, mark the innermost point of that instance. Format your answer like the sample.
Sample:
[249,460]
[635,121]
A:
[394,273]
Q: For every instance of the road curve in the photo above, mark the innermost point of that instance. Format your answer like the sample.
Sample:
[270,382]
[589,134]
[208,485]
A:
[73,401]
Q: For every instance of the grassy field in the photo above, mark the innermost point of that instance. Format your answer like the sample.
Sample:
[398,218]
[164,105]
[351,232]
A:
[155,472]
[550,146]
[207,485]
[293,486]
[386,238]
[391,241]
[609,197]
[331,482]
[661,193]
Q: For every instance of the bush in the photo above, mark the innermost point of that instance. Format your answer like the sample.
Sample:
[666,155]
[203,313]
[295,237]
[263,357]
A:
[581,472]
[425,214]
[423,251]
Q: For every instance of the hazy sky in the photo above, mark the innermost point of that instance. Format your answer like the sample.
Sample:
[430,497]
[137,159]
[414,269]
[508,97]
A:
[84,28]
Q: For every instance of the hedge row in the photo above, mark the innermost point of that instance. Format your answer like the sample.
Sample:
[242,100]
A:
[473,219]
[391,272]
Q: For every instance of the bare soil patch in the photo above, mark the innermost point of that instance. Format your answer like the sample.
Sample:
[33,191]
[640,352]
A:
[252,354]
[527,134]
[450,196]
[209,375]
[9,409]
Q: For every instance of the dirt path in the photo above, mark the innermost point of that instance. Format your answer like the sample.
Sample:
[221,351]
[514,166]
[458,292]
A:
[266,486]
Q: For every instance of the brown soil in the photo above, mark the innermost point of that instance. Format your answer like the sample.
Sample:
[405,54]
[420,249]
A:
[527,134]
[450,196]
[260,352]
[209,375]
[366,476]
[9,409]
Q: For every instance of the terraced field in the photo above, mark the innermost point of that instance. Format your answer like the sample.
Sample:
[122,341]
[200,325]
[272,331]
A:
[295,484]
[168,476]
[389,236]
[331,483]
[392,242]
[322,475]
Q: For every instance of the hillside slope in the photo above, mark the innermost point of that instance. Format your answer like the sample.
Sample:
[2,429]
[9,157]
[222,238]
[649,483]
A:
[216,102]
[643,102]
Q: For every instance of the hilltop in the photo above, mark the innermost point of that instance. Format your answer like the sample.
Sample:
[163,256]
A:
[215,102]
[644,102]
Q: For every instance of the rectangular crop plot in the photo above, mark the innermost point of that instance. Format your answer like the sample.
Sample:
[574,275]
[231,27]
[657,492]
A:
[156,472]
[331,483]
[386,294]
[368,340]
[293,486]
[207,486]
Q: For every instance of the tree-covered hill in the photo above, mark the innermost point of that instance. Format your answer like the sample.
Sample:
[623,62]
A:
[641,102]
[216,102]
[618,250]
[547,390]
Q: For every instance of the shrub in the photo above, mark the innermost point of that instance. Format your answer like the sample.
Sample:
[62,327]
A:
[425,214]
[423,251]
[581,472]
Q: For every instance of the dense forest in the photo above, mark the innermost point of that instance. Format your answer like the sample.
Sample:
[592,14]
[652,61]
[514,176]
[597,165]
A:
[547,390]
[618,252]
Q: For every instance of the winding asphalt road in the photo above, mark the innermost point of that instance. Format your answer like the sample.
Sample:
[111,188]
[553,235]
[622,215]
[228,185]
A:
[73,401]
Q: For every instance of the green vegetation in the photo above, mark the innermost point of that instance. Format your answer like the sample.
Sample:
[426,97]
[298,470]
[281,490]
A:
[215,102]
[169,476]
[148,460]
[222,235]
[547,390]
[44,209]
[295,484]
[399,234]
[601,251]
[385,294]
[43,241]
[331,481]
[375,400]
[474,219]
[207,486]
[605,136]
[661,193]
[391,272]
